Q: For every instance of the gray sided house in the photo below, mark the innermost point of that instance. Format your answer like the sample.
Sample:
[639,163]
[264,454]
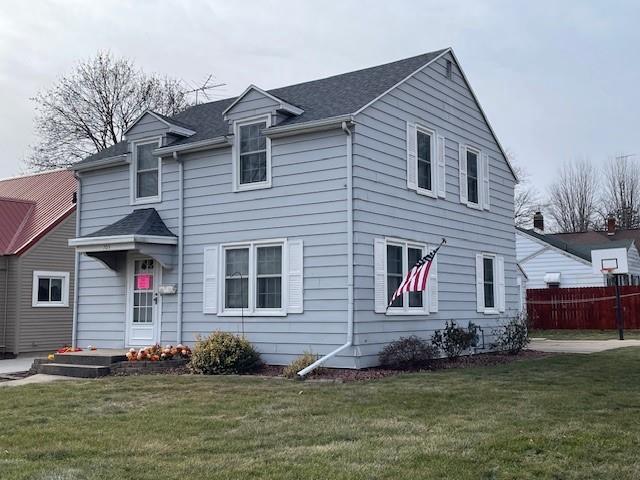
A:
[290,215]
[37,219]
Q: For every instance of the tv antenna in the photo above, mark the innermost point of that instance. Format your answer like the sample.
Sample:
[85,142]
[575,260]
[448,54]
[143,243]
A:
[205,88]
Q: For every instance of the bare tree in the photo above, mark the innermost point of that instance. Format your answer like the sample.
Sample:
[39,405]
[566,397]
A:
[526,199]
[90,109]
[573,200]
[621,191]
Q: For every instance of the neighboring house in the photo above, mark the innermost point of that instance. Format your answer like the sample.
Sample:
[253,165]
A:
[37,219]
[564,259]
[290,215]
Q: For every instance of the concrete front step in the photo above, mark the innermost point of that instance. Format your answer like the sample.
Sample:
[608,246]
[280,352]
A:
[88,359]
[73,370]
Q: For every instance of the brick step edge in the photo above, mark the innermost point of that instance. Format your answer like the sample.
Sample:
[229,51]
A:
[145,366]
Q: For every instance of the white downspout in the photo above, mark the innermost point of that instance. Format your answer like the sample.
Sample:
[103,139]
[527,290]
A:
[180,245]
[349,342]
[76,280]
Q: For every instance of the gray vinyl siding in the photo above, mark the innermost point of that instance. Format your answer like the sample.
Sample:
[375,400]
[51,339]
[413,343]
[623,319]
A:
[147,126]
[8,303]
[384,207]
[44,328]
[307,201]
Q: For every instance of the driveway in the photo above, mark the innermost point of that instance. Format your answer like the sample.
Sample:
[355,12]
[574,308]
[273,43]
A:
[579,346]
[13,365]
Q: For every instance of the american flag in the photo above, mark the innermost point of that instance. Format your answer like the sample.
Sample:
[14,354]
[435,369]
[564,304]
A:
[416,279]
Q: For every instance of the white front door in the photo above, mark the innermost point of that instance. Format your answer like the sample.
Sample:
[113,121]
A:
[143,302]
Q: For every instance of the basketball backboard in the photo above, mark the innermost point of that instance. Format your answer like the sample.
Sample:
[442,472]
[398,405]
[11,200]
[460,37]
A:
[609,260]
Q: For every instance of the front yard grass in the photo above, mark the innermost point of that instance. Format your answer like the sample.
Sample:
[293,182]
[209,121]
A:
[584,334]
[561,417]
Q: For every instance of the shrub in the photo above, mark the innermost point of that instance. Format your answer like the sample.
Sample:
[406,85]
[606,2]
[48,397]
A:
[224,353]
[514,337]
[303,361]
[453,341]
[407,352]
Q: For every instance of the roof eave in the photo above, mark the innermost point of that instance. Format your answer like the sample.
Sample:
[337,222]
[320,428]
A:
[208,144]
[101,163]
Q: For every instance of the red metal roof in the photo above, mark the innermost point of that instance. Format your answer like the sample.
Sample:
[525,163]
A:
[32,205]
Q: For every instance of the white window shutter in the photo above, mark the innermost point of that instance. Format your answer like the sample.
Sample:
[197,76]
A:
[479,283]
[462,165]
[380,274]
[412,157]
[210,283]
[442,167]
[501,291]
[486,192]
[432,285]
[295,276]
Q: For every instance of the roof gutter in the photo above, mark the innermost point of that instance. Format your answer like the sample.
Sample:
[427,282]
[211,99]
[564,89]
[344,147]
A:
[210,143]
[308,127]
[102,163]
[305,371]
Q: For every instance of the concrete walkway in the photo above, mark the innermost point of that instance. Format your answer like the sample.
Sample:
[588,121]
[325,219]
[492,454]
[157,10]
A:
[20,364]
[36,379]
[579,346]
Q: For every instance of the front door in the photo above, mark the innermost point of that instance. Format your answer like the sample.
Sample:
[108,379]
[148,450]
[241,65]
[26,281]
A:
[143,302]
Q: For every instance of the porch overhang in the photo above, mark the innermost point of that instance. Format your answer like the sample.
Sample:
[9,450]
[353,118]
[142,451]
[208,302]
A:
[112,250]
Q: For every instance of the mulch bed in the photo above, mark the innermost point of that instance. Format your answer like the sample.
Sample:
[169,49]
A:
[478,360]
[340,375]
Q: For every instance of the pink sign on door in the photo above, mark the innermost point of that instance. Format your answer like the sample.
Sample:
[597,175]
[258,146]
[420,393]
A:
[143,282]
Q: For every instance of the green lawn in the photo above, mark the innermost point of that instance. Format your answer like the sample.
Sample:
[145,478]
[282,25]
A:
[584,334]
[562,417]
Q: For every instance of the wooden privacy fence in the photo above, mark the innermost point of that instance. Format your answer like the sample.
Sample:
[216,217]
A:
[582,308]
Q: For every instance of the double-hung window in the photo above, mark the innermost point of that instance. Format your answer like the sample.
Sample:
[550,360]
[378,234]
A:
[474,178]
[146,172]
[426,163]
[401,256]
[253,277]
[50,289]
[252,155]
[490,283]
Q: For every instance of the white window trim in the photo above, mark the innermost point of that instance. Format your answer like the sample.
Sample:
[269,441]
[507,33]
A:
[37,275]
[434,161]
[405,309]
[133,173]
[495,310]
[252,310]
[235,154]
[478,152]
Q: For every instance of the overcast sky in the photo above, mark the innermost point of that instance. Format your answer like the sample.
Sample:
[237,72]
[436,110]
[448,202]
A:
[557,79]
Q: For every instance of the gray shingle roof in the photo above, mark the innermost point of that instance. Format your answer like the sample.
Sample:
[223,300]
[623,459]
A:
[144,221]
[581,250]
[325,98]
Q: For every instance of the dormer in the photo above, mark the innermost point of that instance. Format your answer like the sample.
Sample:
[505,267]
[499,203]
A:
[150,131]
[248,117]
[255,102]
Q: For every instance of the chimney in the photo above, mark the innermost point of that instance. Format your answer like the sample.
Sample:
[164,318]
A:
[538,221]
[611,224]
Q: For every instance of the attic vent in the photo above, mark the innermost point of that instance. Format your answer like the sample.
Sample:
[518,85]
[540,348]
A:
[449,70]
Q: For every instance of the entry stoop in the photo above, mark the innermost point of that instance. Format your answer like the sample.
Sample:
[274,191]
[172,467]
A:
[90,364]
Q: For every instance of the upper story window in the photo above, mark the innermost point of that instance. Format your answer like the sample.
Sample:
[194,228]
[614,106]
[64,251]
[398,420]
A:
[425,140]
[474,178]
[252,154]
[426,163]
[146,172]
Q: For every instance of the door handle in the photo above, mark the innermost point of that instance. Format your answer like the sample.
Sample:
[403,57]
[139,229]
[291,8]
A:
[155,298]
